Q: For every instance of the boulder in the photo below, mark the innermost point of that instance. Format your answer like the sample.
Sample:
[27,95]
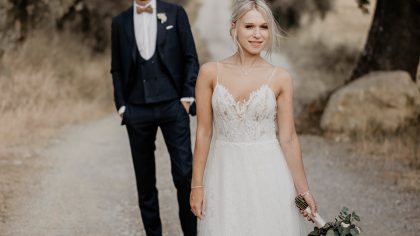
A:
[379,101]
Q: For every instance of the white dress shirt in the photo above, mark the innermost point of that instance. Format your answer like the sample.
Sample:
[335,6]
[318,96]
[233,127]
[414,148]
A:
[145,31]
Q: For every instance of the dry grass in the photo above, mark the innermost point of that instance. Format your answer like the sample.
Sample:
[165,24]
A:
[346,24]
[401,145]
[49,82]
[397,153]
[324,52]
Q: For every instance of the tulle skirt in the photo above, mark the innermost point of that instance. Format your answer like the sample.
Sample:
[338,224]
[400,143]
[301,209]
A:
[249,191]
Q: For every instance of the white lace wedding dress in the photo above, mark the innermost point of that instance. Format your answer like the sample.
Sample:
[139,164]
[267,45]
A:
[249,190]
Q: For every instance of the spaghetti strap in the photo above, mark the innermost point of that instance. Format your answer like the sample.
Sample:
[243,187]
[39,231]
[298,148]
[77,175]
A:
[217,72]
[272,75]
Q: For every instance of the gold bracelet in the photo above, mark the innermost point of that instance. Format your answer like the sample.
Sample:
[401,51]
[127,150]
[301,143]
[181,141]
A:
[305,193]
[199,186]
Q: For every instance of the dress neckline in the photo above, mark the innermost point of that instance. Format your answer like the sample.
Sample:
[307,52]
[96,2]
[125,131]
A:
[247,99]
[250,96]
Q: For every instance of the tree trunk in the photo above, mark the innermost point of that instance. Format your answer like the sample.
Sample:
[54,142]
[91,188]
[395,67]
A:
[394,39]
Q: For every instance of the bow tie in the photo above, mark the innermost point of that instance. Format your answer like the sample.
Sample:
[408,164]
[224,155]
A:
[148,9]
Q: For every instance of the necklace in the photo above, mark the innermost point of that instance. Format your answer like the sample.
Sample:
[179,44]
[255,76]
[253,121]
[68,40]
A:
[245,72]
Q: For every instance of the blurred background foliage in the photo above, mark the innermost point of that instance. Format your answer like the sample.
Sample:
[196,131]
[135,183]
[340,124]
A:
[54,57]
[290,12]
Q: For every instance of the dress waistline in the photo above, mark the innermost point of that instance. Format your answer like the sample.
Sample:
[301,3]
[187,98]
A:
[246,142]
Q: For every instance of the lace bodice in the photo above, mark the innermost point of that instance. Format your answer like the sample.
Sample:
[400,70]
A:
[250,120]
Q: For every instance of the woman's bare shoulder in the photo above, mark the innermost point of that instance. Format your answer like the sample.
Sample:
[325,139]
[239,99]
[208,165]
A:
[209,68]
[282,80]
[208,71]
[282,76]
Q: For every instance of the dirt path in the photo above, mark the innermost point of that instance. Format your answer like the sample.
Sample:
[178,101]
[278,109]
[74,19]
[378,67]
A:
[86,186]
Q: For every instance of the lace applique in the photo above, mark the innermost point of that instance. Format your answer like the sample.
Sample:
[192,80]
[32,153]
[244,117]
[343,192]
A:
[247,120]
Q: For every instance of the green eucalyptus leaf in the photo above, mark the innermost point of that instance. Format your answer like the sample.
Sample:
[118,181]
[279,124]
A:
[314,233]
[354,232]
[345,210]
[345,232]
[347,220]
[342,225]
[336,225]
[330,232]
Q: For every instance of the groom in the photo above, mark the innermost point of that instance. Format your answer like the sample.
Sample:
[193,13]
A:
[154,69]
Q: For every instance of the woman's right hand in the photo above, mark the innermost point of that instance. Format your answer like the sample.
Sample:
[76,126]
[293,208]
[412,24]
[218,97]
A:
[196,202]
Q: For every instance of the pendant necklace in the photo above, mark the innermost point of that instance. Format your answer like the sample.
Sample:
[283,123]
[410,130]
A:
[246,72]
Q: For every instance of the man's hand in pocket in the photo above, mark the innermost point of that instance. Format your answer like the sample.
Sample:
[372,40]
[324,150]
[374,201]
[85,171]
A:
[187,106]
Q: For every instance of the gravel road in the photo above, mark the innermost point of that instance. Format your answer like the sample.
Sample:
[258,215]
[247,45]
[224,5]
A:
[87,187]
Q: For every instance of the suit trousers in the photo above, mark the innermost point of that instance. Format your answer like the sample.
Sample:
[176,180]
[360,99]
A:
[142,122]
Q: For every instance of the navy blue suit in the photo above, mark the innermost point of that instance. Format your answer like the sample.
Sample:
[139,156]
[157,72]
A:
[138,85]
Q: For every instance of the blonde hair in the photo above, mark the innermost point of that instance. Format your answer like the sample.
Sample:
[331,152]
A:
[241,7]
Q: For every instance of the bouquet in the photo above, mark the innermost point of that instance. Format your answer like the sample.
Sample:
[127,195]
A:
[343,226]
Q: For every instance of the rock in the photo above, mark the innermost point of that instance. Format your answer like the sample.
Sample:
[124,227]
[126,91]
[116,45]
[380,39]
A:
[379,101]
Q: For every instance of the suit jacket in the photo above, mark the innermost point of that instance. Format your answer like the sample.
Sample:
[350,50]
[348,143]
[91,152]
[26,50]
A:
[175,47]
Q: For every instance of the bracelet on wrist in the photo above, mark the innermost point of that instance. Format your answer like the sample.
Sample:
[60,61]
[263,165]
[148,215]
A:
[305,193]
[198,186]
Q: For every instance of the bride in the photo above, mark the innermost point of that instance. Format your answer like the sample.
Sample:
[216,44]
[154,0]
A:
[245,174]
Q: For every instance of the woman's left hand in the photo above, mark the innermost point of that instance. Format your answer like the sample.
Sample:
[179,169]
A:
[312,205]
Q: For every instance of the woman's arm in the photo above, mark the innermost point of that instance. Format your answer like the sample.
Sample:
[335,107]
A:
[288,138]
[203,91]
